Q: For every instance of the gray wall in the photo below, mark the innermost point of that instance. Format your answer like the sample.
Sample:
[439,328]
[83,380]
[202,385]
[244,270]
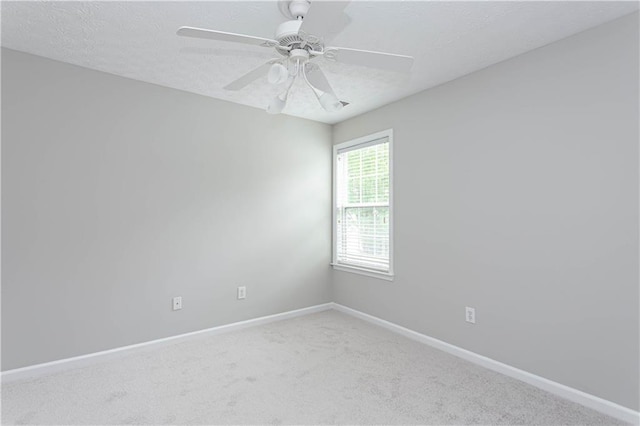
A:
[118,195]
[516,192]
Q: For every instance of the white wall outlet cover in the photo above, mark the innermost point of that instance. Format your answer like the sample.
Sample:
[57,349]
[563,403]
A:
[470,315]
[242,292]
[177,303]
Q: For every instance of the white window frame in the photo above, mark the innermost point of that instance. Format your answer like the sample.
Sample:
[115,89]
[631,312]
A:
[388,276]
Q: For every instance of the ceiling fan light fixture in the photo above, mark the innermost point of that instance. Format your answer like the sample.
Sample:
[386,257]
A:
[330,102]
[276,105]
[278,74]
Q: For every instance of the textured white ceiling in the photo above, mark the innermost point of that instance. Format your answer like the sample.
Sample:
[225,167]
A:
[447,38]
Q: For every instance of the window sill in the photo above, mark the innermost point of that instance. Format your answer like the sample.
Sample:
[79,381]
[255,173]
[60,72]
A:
[362,271]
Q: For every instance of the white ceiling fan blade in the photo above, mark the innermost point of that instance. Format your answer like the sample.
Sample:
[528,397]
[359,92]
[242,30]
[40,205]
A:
[221,51]
[324,19]
[317,79]
[367,58]
[251,76]
[224,36]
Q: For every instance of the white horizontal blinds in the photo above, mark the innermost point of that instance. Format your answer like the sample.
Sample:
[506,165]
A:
[362,202]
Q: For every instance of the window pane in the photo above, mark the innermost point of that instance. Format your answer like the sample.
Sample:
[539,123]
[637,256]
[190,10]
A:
[369,162]
[369,189]
[363,221]
[354,190]
[353,163]
[383,188]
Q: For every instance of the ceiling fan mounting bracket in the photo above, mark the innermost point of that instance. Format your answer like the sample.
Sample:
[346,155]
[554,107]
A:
[330,54]
[294,9]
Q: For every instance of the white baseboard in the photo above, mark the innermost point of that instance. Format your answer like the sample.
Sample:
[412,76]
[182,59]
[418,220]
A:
[580,397]
[92,358]
[596,403]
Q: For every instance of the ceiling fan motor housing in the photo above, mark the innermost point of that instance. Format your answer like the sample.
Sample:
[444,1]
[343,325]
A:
[288,34]
[288,29]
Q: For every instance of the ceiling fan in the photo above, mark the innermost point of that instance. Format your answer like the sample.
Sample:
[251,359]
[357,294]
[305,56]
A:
[299,41]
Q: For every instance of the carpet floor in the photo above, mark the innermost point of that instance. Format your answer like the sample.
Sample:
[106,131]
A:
[324,368]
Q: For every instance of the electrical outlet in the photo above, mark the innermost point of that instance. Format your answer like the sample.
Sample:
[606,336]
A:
[177,303]
[470,315]
[242,292]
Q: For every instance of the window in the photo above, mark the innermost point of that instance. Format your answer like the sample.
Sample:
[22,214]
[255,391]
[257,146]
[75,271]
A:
[362,222]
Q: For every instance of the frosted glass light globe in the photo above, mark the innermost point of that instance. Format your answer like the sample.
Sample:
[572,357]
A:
[278,74]
[276,105]
[330,103]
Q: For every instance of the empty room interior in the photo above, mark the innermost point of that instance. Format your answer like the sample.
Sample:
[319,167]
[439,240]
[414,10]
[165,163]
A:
[320,212]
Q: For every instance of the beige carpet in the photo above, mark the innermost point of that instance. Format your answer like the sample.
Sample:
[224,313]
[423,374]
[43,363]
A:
[325,368]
